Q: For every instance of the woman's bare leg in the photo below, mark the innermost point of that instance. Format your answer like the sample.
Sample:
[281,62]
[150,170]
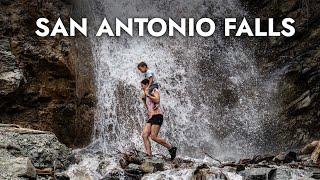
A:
[154,136]
[145,136]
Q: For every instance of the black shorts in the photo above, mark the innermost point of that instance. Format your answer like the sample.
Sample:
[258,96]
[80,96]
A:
[156,119]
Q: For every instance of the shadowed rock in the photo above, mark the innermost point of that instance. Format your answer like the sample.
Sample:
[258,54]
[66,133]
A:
[23,150]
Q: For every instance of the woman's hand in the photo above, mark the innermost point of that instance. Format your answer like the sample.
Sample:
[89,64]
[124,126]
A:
[146,92]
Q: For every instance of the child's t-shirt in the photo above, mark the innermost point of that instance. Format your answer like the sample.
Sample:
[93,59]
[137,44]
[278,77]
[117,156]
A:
[149,74]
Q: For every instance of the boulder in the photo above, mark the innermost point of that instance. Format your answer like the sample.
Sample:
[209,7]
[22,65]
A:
[285,157]
[42,148]
[315,156]
[313,149]
[258,173]
[309,148]
[61,176]
[204,172]
[152,165]
[315,175]
[135,164]
[17,167]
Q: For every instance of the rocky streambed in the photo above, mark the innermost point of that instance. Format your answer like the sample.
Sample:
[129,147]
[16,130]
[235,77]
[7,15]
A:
[136,165]
[33,154]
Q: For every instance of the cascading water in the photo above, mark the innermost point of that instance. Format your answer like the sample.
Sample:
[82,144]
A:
[211,90]
[209,86]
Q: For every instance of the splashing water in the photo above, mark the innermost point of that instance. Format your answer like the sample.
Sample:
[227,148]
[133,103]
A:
[209,86]
[212,94]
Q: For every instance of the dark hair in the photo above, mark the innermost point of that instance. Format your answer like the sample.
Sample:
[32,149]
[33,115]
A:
[145,81]
[142,64]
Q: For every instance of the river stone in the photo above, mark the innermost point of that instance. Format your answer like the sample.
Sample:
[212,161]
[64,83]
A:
[16,167]
[258,173]
[205,172]
[316,175]
[152,165]
[61,176]
[133,166]
[286,157]
[134,169]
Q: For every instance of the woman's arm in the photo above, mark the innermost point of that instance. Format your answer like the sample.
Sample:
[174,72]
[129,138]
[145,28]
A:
[155,97]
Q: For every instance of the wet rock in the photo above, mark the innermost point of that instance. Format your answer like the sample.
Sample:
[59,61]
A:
[315,156]
[258,173]
[257,159]
[309,148]
[134,170]
[315,175]
[42,148]
[313,149]
[152,165]
[115,175]
[204,172]
[61,176]
[136,164]
[13,168]
[133,167]
[295,60]
[302,102]
[285,157]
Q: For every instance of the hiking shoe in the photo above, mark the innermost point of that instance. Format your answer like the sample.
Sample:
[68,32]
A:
[173,152]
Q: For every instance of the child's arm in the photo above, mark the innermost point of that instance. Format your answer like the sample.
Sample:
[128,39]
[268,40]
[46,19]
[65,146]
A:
[144,100]
[150,81]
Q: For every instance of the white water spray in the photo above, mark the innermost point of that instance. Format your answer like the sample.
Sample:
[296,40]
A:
[210,87]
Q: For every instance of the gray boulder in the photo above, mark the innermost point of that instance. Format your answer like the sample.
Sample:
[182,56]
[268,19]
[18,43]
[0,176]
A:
[258,173]
[22,150]
[15,168]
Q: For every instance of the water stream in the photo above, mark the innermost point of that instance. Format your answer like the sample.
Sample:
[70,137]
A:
[210,87]
[214,98]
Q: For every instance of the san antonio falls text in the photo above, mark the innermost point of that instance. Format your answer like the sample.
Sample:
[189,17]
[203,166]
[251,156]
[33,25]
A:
[159,27]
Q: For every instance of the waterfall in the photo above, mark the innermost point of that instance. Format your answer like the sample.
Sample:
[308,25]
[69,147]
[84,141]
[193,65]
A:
[216,102]
[211,90]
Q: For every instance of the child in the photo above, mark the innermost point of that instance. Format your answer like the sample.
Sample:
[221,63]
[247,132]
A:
[148,74]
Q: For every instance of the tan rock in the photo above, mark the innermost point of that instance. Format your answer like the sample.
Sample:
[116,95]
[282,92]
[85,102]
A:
[315,156]
[16,167]
[309,148]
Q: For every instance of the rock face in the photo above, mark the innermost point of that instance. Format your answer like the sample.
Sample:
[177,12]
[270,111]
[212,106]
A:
[46,83]
[10,75]
[296,59]
[24,152]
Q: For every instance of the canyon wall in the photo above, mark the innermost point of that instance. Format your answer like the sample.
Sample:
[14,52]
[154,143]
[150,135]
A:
[45,83]
[296,60]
